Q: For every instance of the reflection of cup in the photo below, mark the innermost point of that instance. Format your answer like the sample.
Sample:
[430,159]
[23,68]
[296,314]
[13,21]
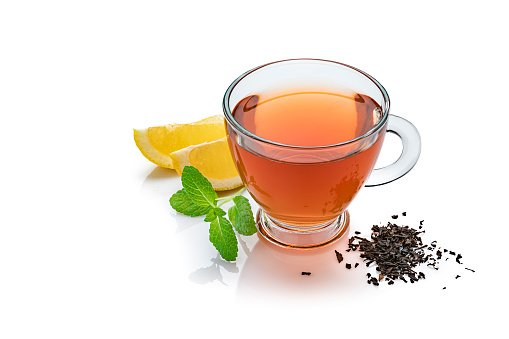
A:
[305,135]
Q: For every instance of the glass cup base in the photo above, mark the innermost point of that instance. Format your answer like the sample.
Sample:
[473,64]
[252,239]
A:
[304,237]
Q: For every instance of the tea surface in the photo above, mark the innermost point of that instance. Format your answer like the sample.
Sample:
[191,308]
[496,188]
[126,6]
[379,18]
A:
[307,118]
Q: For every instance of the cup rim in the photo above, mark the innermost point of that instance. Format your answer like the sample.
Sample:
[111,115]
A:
[231,120]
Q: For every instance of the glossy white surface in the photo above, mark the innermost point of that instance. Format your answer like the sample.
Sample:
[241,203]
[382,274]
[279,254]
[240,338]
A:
[89,246]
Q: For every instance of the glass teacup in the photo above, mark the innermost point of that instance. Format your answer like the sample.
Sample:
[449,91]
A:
[305,135]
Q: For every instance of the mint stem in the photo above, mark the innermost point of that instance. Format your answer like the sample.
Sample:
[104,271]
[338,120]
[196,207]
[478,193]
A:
[230,198]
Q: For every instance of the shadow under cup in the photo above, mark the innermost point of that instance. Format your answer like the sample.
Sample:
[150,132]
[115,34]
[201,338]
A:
[304,191]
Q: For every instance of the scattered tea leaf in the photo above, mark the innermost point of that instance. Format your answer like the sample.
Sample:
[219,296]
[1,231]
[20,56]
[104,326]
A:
[458,257]
[339,256]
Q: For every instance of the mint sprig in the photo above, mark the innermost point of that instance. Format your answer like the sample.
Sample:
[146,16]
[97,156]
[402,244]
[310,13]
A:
[198,198]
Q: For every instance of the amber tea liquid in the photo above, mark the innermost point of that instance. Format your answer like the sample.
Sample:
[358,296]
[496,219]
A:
[306,186]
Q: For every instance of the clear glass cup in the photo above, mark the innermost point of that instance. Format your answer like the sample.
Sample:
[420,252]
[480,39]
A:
[304,190]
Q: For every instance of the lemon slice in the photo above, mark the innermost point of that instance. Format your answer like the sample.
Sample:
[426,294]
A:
[156,143]
[213,160]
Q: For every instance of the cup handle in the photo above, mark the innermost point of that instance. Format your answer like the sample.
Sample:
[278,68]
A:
[411,150]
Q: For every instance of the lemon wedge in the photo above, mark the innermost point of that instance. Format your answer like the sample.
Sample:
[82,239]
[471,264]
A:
[213,160]
[156,143]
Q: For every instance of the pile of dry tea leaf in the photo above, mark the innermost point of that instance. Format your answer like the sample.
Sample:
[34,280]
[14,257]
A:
[397,251]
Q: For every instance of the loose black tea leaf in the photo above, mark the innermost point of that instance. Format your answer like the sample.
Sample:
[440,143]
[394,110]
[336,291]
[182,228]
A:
[395,216]
[339,256]
[306,273]
[403,214]
[458,276]
[395,250]
[470,269]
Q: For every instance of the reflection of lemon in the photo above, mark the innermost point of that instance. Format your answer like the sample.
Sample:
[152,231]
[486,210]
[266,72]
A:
[156,143]
[213,160]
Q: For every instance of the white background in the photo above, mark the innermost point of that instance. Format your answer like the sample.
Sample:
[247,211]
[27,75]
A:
[89,246]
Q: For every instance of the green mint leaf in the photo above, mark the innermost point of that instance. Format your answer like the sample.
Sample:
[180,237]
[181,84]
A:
[198,187]
[241,216]
[222,236]
[182,203]
[213,213]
